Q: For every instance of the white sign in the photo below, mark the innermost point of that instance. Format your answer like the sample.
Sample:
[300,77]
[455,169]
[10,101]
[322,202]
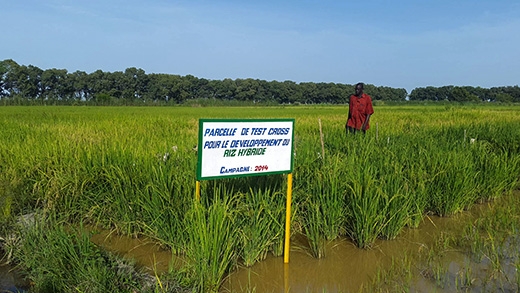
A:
[232,148]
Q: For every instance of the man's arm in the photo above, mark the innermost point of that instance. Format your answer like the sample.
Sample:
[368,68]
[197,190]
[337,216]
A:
[365,123]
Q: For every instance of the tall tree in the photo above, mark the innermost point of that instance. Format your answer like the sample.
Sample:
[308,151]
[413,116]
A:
[80,86]
[55,85]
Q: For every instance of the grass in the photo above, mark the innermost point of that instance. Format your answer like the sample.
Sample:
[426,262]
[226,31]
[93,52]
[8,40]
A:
[323,203]
[259,219]
[479,255]
[132,170]
[57,259]
[211,241]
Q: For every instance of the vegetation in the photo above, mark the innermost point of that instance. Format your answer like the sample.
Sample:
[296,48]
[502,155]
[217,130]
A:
[30,85]
[59,260]
[480,256]
[22,85]
[504,94]
[132,170]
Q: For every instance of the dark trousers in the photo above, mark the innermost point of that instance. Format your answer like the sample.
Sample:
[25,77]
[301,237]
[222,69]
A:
[352,130]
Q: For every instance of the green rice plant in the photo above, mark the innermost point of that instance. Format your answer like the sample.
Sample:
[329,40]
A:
[476,242]
[58,260]
[396,277]
[212,239]
[277,213]
[6,202]
[328,189]
[452,188]
[263,192]
[363,204]
[121,209]
[312,227]
[416,182]
[496,171]
[395,206]
[393,188]
[464,279]
[106,165]
[403,177]
[323,203]
[257,226]
[170,193]
[501,135]
[436,269]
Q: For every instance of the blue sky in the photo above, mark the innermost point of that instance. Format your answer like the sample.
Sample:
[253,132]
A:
[402,44]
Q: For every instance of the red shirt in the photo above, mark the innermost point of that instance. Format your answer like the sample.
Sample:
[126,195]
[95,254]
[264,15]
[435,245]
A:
[358,110]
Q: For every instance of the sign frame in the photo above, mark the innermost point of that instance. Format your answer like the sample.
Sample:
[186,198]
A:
[245,122]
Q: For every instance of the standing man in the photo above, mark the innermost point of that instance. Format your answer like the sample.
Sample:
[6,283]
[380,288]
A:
[359,111]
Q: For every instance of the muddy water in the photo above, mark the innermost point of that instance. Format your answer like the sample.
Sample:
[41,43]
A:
[147,253]
[345,268]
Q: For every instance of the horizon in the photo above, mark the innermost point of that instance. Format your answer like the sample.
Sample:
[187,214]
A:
[408,46]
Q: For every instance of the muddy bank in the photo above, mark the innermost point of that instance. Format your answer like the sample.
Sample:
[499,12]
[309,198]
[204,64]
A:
[147,253]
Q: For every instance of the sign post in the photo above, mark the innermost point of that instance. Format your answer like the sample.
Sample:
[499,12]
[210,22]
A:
[288,219]
[247,147]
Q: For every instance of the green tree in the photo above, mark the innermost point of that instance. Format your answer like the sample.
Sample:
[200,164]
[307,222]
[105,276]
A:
[55,85]
[246,89]
[80,85]
[135,83]
[503,98]
[27,82]
[99,83]
[8,79]
[227,89]
[289,93]
[310,93]
[461,94]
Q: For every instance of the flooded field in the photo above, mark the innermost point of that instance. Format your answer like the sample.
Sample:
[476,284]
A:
[346,268]
[393,210]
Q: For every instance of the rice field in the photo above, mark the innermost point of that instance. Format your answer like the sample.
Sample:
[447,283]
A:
[132,170]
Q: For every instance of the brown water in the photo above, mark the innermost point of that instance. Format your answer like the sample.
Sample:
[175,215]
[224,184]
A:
[147,253]
[345,268]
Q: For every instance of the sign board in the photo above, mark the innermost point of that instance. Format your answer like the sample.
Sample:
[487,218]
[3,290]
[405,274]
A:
[250,147]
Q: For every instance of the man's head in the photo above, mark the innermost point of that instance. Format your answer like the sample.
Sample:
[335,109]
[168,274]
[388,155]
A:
[359,89]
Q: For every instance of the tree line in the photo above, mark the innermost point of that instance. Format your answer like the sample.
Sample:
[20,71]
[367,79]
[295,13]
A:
[134,86]
[505,94]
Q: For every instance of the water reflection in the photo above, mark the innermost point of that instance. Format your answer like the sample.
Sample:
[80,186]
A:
[346,267]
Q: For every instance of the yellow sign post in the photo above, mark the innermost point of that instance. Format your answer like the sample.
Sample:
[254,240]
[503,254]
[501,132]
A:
[230,148]
[288,219]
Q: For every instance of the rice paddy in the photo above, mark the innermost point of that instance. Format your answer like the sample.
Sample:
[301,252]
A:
[132,171]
